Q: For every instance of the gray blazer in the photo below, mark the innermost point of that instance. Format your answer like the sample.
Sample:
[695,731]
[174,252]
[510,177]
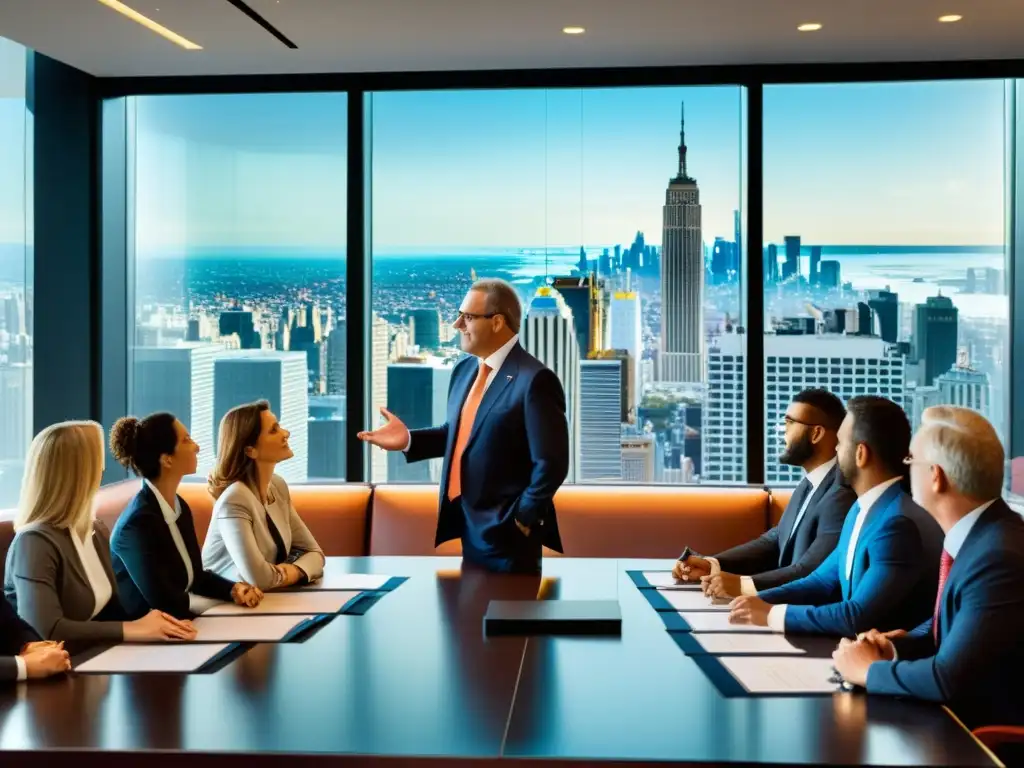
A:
[45,581]
[240,546]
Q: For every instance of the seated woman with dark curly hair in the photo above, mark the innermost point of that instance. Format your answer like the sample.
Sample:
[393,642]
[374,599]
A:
[155,551]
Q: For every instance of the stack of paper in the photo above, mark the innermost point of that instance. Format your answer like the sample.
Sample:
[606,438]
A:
[297,603]
[247,629]
[361,582]
[701,621]
[746,644]
[781,674]
[665,580]
[694,601]
[152,658]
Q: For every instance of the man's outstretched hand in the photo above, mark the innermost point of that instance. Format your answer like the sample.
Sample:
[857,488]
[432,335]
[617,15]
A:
[391,436]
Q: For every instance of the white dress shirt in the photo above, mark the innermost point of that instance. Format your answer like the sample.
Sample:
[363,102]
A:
[196,604]
[494,361]
[777,615]
[815,477]
[957,535]
[102,589]
[22,669]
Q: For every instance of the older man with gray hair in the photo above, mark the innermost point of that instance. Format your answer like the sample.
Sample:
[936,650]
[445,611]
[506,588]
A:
[969,655]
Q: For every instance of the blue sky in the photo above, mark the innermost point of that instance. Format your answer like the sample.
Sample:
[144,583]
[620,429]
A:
[908,163]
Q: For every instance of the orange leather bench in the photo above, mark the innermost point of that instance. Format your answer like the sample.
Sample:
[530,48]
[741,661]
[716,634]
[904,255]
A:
[594,520]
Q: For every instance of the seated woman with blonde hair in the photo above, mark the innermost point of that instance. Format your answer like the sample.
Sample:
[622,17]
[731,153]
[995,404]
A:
[58,575]
[154,546]
[255,534]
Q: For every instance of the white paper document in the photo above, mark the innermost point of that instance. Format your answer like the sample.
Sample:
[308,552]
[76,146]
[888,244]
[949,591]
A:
[245,629]
[694,601]
[747,645]
[316,602]
[152,658]
[717,622]
[348,581]
[665,580]
[781,674]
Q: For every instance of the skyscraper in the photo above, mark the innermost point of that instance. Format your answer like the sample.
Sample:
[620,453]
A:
[337,344]
[327,449]
[15,411]
[426,325]
[682,277]
[723,439]
[419,397]
[240,322]
[963,386]
[279,377]
[600,420]
[829,274]
[771,263]
[935,337]
[886,306]
[815,263]
[624,324]
[791,266]
[549,335]
[179,380]
[380,338]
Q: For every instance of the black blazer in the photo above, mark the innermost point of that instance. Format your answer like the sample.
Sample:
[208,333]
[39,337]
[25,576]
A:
[148,568]
[818,534]
[516,458]
[14,634]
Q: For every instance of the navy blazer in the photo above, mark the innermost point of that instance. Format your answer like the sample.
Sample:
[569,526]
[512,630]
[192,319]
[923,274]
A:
[147,565]
[516,458]
[977,668]
[772,564]
[15,632]
[894,578]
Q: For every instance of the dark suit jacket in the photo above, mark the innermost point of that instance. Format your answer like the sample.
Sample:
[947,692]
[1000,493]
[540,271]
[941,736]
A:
[516,458]
[894,579]
[802,551]
[977,668]
[148,567]
[14,633]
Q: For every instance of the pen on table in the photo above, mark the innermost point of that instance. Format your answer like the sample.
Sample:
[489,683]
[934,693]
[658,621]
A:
[838,680]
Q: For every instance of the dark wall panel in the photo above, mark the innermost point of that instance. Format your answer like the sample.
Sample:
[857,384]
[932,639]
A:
[64,106]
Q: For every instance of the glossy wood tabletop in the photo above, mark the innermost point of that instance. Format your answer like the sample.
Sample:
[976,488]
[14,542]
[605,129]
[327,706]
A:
[415,676]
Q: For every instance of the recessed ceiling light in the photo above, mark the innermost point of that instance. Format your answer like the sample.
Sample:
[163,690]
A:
[573,30]
[812,27]
[151,25]
[950,18]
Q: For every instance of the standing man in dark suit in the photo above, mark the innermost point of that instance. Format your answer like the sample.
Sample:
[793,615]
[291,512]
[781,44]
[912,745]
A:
[505,443]
[810,527]
[968,653]
[22,654]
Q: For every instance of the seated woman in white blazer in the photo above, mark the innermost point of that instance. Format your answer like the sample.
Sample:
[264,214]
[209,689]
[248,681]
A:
[256,536]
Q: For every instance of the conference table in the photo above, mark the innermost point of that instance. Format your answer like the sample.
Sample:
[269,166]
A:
[416,680]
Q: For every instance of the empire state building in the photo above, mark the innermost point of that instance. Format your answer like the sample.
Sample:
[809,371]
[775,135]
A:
[682,277]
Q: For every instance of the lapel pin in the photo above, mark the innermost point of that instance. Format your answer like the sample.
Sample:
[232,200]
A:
[508,378]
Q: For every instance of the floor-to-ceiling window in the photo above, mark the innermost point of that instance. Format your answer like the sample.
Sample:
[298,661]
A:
[885,258]
[617,216]
[239,219]
[15,270]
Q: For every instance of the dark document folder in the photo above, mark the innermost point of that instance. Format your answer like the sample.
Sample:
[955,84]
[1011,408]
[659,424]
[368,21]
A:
[553,617]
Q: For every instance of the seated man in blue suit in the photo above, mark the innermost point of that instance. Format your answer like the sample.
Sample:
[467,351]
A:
[968,653]
[505,443]
[884,571]
[23,654]
[810,527]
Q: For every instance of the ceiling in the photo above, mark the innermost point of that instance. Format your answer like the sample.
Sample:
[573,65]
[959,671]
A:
[423,35]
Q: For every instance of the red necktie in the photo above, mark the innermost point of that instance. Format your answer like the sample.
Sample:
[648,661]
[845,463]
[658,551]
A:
[469,409]
[944,565]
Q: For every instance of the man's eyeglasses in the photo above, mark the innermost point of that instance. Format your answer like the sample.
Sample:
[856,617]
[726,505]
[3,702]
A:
[469,317]
[909,459]
[788,420]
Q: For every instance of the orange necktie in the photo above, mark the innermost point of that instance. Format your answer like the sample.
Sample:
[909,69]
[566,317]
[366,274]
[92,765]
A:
[469,409]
